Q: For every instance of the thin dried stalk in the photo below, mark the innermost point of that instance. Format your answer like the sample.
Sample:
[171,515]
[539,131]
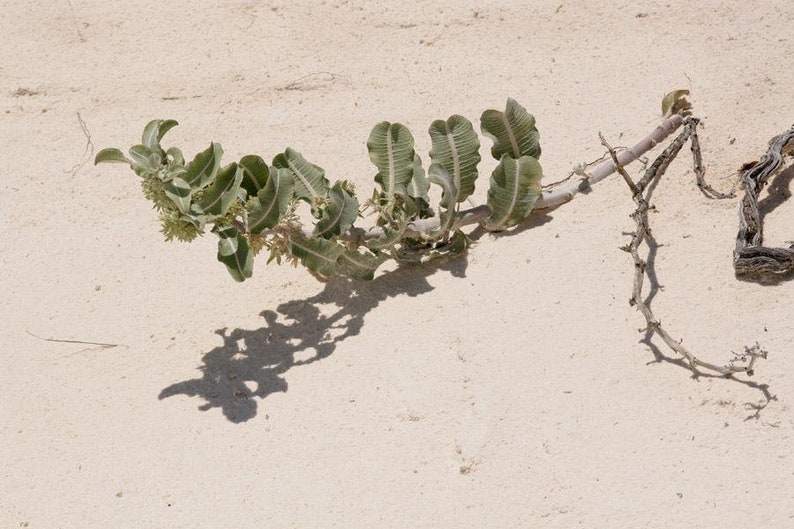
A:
[641,192]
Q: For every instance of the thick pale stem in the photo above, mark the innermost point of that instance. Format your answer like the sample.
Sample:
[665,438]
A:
[559,194]
[552,196]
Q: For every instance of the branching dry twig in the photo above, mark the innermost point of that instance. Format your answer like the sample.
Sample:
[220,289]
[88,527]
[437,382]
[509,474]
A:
[89,147]
[641,191]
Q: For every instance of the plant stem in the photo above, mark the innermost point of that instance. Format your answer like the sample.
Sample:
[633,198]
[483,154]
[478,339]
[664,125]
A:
[751,259]
[558,194]
[641,192]
[552,196]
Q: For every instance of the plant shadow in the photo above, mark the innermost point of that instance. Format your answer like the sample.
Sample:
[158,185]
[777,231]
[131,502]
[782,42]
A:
[251,363]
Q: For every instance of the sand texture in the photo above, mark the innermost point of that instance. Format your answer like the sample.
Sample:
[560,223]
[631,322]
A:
[508,388]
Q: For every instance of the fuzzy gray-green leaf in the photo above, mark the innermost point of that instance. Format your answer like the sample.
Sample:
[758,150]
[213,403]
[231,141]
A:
[316,254]
[203,168]
[235,253]
[390,236]
[512,131]
[255,174]
[419,187]
[223,191]
[391,149]
[449,195]
[175,153]
[357,265]
[515,187]
[272,201]
[339,213]
[310,182]
[457,148]
[154,132]
[143,160]
[179,191]
[111,156]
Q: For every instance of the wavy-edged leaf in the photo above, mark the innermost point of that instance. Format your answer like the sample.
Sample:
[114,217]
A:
[339,213]
[457,148]
[144,161]
[512,131]
[176,155]
[111,155]
[310,182]
[357,265]
[204,166]
[456,245]
[419,187]
[515,187]
[318,255]
[165,126]
[449,195]
[255,174]
[391,235]
[220,195]
[272,201]
[391,149]
[180,193]
[154,132]
[235,252]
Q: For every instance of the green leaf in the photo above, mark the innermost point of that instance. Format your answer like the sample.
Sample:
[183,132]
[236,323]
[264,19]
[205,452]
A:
[154,132]
[456,148]
[675,102]
[338,214]
[202,170]
[418,189]
[391,236]
[357,265]
[144,161]
[310,182]
[176,155]
[111,156]
[391,149]
[272,201]
[165,126]
[220,195]
[515,187]
[255,174]
[512,131]
[418,254]
[180,192]
[235,253]
[318,255]
[449,196]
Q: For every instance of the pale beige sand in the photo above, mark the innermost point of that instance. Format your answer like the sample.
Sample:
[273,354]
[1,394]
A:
[508,389]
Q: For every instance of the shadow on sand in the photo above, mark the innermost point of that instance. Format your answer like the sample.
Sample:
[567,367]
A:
[251,362]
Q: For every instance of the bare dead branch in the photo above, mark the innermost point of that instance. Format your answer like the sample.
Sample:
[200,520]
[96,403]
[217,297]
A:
[641,190]
[89,147]
[751,259]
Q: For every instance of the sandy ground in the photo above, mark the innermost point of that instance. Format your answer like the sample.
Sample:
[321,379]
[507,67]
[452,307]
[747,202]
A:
[507,389]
